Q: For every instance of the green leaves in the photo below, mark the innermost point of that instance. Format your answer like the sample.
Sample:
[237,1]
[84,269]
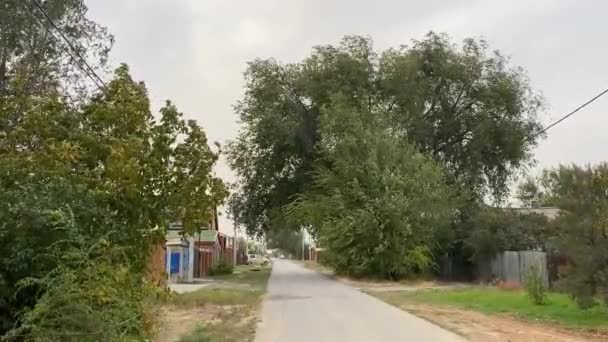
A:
[101,173]
[86,179]
[494,230]
[181,165]
[380,204]
[33,62]
[463,105]
[581,232]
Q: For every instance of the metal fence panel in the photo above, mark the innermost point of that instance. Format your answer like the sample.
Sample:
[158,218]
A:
[510,267]
[513,266]
[529,259]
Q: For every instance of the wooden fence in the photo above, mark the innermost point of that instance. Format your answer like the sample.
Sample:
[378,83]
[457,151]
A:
[202,262]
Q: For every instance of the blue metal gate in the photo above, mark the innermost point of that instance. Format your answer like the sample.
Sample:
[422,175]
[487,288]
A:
[175,256]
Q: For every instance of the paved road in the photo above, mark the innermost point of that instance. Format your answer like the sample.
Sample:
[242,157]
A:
[302,305]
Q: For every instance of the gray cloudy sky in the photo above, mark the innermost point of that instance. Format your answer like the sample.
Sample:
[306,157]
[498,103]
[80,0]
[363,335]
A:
[194,51]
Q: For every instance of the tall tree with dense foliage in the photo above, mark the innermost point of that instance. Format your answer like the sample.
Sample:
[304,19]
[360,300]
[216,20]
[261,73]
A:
[462,105]
[378,206]
[30,53]
[74,178]
[581,230]
[88,181]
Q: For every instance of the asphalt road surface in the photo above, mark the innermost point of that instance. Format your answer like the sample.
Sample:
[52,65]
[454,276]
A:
[303,305]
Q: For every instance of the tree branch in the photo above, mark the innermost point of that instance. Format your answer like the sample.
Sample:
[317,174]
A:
[461,138]
[391,105]
[434,99]
[457,100]
[3,69]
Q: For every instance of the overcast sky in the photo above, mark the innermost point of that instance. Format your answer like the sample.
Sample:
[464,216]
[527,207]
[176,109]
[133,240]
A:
[194,51]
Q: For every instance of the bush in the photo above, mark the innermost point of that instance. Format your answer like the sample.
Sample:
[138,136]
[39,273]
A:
[222,267]
[495,230]
[93,295]
[535,286]
[382,206]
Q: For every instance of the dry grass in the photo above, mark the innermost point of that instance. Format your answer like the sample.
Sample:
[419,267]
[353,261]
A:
[491,314]
[479,327]
[226,311]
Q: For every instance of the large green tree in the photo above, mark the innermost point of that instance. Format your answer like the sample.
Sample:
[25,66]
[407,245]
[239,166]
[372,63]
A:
[103,172]
[40,59]
[88,180]
[377,205]
[462,105]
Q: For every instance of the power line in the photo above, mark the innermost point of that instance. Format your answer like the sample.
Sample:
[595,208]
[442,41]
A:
[572,112]
[88,70]
[67,41]
[52,34]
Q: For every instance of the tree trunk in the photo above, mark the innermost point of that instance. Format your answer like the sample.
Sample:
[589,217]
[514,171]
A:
[3,62]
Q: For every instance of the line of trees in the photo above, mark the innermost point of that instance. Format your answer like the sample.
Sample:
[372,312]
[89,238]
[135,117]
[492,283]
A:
[391,159]
[386,156]
[89,179]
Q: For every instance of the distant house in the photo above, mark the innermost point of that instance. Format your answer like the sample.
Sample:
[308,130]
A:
[208,240]
[190,256]
[179,254]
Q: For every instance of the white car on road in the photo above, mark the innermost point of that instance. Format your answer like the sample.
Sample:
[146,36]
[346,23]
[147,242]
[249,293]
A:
[257,260]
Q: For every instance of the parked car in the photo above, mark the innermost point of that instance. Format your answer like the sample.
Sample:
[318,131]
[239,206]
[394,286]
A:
[257,260]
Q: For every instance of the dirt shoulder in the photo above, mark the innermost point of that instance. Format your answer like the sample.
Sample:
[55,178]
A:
[474,325]
[478,327]
[225,310]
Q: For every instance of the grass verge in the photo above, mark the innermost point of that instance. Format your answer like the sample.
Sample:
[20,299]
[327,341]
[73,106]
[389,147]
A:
[225,311]
[247,276]
[559,309]
[230,324]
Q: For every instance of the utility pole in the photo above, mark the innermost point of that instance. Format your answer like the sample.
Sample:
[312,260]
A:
[234,244]
[302,243]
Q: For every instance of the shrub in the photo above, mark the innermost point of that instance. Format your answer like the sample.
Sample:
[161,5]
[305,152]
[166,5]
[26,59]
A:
[222,267]
[93,295]
[495,230]
[535,285]
[382,206]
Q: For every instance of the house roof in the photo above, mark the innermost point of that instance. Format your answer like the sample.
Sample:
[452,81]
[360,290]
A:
[176,242]
[208,235]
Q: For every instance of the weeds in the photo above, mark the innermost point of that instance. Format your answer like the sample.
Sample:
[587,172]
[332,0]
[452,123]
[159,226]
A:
[535,286]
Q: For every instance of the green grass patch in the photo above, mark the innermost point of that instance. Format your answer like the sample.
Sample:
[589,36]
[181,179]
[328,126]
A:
[559,309]
[243,287]
[246,275]
[199,334]
[238,295]
[232,326]
[217,296]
